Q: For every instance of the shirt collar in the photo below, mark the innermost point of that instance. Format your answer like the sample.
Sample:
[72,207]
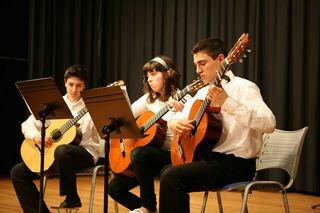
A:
[72,103]
[230,74]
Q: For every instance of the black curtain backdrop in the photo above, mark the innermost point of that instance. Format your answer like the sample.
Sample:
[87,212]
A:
[64,33]
[115,38]
[13,67]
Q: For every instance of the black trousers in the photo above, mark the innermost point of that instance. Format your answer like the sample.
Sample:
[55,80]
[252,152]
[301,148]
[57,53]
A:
[146,162]
[216,171]
[68,160]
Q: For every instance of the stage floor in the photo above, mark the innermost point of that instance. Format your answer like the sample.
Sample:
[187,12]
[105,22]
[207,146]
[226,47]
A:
[260,202]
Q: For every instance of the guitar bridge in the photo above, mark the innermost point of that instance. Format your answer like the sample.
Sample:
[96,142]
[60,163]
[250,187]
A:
[38,147]
[181,152]
[122,148]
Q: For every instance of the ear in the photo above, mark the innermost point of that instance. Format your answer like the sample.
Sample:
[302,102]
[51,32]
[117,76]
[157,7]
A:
[220,57]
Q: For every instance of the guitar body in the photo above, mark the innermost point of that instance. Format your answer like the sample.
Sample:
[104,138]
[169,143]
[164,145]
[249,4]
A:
[199,143]
[31,154]
[120,150]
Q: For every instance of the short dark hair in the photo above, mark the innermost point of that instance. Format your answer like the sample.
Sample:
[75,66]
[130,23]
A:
[212,46]
[77,70]
[171,81]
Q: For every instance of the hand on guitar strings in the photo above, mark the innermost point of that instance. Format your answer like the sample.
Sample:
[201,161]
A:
[47,142]
[176,106]
[217,95]
[181,127]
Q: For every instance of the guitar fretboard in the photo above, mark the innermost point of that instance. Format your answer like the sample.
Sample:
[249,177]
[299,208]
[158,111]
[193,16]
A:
[223,68]
[73,121]
[164,110]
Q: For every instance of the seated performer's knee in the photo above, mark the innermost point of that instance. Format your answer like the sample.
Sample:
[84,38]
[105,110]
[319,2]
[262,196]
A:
[167,177]
[14,173]
[138,155]
[114,190]
[60,152]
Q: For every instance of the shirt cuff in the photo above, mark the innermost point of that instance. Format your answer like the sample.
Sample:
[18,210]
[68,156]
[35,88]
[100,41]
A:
[31,134]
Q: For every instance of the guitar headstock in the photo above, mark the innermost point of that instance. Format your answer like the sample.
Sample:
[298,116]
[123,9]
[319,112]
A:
[239,50]
[196,85]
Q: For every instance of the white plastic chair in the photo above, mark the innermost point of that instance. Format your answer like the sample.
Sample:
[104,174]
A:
[280,149]
[93,186]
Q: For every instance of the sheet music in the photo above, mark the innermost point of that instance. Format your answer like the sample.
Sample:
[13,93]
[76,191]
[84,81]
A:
[124,89]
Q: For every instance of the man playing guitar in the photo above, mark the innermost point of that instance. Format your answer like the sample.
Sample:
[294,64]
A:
[245,117]
[68,158]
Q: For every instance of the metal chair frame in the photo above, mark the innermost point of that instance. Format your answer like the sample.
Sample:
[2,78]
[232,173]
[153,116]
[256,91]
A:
[280,149]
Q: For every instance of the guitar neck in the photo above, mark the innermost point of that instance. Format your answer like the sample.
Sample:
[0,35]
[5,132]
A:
[73,121]
[164,109]
[224,67]
[206,102]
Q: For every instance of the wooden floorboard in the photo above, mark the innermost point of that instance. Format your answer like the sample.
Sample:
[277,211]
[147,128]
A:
[258,201]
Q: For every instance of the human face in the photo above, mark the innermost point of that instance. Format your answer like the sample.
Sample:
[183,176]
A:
[206,66]
[74,86]
[156,81]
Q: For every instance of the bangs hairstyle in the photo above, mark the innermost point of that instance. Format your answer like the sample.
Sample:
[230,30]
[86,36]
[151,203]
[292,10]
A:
[212,46]
[171,79]
[78,71]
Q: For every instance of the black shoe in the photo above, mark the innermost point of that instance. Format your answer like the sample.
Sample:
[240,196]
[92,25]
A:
[69,203]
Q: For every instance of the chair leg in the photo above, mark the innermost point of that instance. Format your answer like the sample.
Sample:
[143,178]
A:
[204,201]
[93,186]
[285,200]
[44,184]
[220,202]
[244,207]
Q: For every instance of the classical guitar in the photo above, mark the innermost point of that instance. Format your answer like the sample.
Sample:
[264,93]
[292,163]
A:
[207,122]
[152,129]
[62,131]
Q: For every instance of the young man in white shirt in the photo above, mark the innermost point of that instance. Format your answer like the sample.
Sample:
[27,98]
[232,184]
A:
[69,158]
[245,117]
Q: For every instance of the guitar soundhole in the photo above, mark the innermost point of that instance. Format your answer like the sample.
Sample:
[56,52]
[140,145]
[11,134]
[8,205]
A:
[56,135]
[142,129]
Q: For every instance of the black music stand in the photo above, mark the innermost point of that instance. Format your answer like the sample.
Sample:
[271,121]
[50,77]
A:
[44,100]
[113,118]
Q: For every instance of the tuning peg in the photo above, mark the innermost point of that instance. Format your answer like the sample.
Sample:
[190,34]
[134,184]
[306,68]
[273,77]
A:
[240,60]
[248,50]
[244,55]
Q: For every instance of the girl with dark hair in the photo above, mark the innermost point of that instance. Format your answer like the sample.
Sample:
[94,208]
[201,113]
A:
[161,83]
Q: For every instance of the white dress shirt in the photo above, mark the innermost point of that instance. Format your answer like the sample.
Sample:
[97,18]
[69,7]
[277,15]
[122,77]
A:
[245,117]
[90,137]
